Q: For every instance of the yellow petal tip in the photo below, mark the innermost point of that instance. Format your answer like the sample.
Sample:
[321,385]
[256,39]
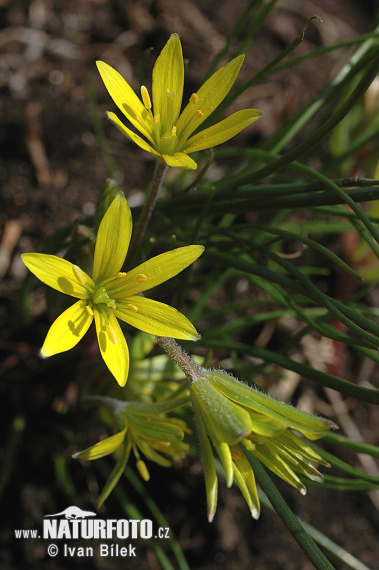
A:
[121,382]
[255,514]
[44,354]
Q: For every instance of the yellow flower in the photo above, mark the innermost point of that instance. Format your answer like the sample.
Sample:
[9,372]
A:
[145,429]
[110,294]
[239,420]
[166,133]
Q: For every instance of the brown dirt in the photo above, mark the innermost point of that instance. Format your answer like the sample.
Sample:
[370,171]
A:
[51,170]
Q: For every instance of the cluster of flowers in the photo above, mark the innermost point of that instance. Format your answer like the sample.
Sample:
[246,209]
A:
[230,416]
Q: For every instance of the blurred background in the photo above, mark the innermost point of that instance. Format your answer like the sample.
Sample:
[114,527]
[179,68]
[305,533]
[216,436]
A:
[51,170]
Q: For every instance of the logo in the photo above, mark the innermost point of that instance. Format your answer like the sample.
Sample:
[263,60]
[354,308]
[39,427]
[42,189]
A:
[75,523]
[73,513]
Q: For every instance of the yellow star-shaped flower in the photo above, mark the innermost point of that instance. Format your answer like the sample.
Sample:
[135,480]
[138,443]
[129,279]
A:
[166,133]
[236,418]
[146,430]
[109,294]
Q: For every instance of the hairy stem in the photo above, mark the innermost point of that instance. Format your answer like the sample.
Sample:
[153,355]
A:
[192,370]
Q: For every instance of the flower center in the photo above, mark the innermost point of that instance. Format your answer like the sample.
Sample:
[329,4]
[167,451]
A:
[166,139]
[164,129]
[100,295]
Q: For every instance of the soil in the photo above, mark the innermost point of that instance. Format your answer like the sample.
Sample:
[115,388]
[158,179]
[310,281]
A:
[51,170]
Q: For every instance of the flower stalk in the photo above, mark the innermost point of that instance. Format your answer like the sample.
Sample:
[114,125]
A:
[192,370]
[148,207]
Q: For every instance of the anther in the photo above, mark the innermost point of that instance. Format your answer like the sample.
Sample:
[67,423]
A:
[173,131]
[142,470]
[199,113]
[248,444]
[141,277]
[79,274]
[145,97]
[121,274]
[194,98]
[236,453]
[111,334]
[89,310]
[157,118]
[133,308]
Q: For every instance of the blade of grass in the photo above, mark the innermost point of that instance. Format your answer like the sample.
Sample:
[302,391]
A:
[247,15]
[343,466]
[10,451]
[133,512]
[99,130]
[340,553]
[322,378]
[270,68]
[323,130]
[357,323]
[158,516]
[290,520]
[357,446]
[340,483]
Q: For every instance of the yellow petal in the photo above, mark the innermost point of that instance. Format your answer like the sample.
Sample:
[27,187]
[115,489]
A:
[227,421]
[130,135]
[168,74]
[155,318]
[58,274]
[126,100]
[179,160]
[211,483]
[277,465]
[102,448]
[244,475]
[113,239]
[209,97]
[155,430]
[116,473]
[155,271]
[260,402]
[222,131]
[115,354]
[266,426]
[67,330]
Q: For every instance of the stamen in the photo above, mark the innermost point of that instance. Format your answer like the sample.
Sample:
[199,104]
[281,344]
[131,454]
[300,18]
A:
[111,334]
[141,277]
[173,131]
[145,97]
[156,119]
[194,98]
[89,310]
[79,274]
[167,91]
[199,113]
[133,308]
[248,444]
[142,470]
[112,304]
[121,274]
[235,453]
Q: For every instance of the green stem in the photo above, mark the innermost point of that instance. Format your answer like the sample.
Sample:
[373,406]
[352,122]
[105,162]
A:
[293,524]
[192,370]
[159,175]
